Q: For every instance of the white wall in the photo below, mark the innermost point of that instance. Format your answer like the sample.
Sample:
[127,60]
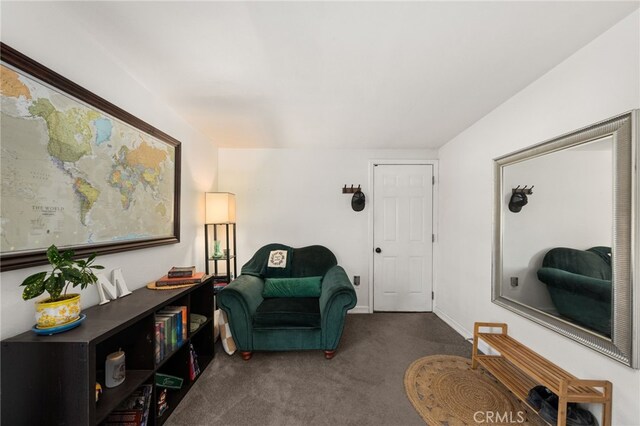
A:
[44,34]
[294,197]
[597,82]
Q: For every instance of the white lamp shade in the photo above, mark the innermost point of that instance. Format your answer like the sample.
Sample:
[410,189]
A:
[220,207]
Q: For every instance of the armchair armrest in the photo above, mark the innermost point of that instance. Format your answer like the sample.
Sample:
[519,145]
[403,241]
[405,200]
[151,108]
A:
[336,298]
[239,300]
[594,288]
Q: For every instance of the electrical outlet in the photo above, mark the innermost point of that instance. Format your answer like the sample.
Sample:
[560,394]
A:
[356,280]
[514,281]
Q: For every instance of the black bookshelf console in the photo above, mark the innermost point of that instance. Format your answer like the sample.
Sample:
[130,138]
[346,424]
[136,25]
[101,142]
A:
[51,379]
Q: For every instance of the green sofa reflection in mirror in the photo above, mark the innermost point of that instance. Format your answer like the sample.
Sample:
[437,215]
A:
[283,323]
[579,283]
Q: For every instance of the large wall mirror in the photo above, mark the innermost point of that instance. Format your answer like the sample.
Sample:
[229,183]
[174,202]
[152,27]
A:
[564,235]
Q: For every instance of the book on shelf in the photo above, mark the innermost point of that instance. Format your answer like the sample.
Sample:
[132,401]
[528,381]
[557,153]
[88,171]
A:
[165,337]
[134,410]
[147,404]
[181,271]
[166,281]
[171,334]
[194,368]
[185,320]
[131,416]
[175,327]
[180,314]
[158,353]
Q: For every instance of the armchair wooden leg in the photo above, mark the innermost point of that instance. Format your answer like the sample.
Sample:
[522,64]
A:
[329,354]
[246,355]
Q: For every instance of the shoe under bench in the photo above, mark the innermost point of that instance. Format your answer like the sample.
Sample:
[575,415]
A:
[520,369]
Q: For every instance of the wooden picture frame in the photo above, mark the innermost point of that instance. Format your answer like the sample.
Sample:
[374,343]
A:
[96,187]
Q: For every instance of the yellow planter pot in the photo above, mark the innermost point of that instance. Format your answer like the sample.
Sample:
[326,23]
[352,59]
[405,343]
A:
[51,314]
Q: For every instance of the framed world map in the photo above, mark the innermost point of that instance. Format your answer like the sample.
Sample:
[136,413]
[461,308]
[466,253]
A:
[77,171]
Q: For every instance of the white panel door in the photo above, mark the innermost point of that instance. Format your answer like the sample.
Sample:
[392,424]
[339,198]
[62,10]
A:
[402,237]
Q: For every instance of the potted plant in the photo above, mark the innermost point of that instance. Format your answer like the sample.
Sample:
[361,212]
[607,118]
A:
[59,308]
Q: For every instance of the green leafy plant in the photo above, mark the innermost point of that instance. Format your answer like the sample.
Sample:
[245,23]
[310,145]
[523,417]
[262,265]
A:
[65,271]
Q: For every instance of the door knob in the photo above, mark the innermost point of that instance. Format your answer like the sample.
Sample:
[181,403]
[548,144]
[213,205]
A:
[378,250]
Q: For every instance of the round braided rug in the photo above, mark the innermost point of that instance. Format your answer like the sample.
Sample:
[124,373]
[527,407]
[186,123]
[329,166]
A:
[446,391]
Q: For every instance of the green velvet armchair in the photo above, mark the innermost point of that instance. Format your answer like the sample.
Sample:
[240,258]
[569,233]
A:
[261,320]
[579,283]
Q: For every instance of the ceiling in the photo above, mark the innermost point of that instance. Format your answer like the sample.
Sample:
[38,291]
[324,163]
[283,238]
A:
[340,74]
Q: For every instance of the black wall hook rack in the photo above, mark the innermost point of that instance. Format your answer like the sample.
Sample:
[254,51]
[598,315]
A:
[351,190]
[525,190]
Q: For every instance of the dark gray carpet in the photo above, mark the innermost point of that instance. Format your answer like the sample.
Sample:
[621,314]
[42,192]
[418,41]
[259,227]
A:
[362,385]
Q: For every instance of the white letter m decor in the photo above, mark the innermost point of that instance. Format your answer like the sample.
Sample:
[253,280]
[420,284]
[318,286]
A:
[105,285]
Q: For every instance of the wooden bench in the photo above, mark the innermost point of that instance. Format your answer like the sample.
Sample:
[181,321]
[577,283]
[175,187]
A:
[520,369]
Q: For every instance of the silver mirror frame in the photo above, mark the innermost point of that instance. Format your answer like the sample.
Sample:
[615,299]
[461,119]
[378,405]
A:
[623,346]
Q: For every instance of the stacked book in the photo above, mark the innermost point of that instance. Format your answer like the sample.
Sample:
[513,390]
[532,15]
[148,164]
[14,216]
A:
[180,275]
[220,282]
[171,330]
[219,286]
[134,410]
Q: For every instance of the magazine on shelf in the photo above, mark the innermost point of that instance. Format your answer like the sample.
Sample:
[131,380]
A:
[134,410]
